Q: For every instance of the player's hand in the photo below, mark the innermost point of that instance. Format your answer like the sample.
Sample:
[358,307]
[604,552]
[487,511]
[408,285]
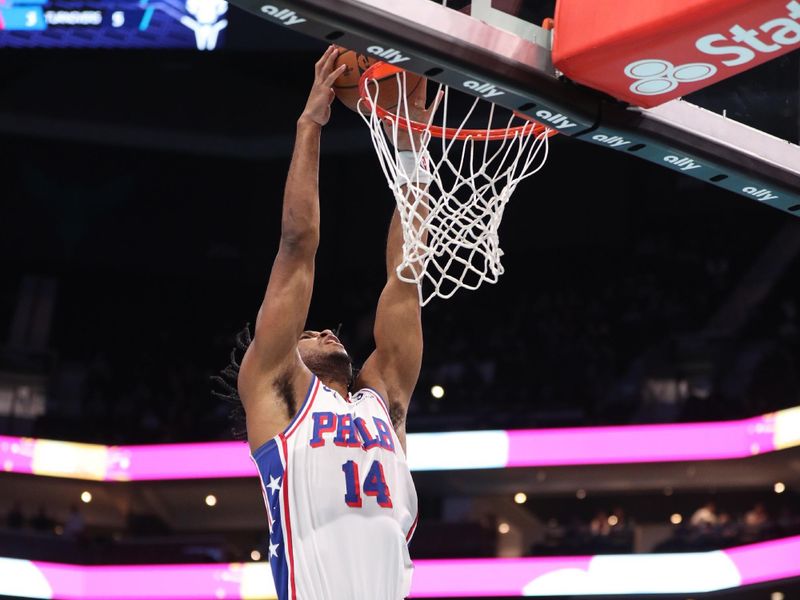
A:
[318,106]
[417,111]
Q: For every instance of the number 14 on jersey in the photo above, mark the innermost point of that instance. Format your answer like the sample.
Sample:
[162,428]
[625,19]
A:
[374,485]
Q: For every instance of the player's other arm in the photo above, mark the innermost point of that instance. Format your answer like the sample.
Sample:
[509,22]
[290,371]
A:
[394,366]
[271,370]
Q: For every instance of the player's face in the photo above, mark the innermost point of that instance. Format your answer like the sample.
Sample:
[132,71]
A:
[323,353]
[315,341]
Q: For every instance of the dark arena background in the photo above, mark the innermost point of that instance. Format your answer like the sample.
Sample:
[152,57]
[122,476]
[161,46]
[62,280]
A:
[624,401]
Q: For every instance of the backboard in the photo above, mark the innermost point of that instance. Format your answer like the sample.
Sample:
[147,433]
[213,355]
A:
[722,132]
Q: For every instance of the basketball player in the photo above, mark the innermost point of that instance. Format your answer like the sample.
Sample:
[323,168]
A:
[330,447]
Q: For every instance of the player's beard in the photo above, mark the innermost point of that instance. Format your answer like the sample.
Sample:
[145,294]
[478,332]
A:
[331,366]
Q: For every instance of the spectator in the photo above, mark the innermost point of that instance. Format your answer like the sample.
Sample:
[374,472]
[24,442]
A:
[757,516]
[755,523]
[705,517]
[599,525]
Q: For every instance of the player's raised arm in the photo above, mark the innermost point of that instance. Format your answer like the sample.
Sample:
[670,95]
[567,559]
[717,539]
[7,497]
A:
[272,370]
[394,366]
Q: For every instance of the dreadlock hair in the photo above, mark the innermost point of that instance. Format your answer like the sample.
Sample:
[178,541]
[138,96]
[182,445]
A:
[226,381]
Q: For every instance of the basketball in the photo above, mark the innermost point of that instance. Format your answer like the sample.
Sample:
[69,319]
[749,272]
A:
[346,86]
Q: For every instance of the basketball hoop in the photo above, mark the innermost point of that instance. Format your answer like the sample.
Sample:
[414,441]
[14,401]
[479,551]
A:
[450,227]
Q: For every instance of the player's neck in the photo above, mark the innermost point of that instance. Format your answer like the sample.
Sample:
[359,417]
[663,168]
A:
[337,386]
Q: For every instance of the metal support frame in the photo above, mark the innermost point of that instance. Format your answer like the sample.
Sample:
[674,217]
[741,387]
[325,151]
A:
[467,54]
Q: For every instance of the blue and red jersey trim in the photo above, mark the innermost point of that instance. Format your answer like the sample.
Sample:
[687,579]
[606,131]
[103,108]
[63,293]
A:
[270,462]
[383,402]
[313,387]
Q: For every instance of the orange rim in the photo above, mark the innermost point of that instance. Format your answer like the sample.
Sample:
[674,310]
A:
[381,70]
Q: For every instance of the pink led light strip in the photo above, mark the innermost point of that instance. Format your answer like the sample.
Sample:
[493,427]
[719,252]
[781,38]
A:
[514,448]
[607,574]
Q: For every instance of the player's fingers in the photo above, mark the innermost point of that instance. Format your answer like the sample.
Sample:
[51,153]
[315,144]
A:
[330,60]
[328,52]
[330,79]
[322,59]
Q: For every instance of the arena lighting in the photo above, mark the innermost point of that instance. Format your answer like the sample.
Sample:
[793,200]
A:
[255,555]
[211,500]
[611,575]
[580,494]
[492,449]
[504,528]
[86,497]
[437,391]
[780,487]
[676,519]
[520,498]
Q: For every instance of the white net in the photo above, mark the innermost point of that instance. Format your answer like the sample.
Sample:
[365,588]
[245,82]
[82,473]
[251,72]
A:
[450,225]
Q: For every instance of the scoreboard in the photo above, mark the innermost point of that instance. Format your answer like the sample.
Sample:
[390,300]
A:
[190,24]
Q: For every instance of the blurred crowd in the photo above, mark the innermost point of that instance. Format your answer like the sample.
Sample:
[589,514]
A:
[707,527]
[41,521]
[622,528]
[569,347]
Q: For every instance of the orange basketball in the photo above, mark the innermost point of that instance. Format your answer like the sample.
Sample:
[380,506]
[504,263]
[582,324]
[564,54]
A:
[346,86]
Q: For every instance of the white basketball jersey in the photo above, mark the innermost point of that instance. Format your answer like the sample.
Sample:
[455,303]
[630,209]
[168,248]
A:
[341,504]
